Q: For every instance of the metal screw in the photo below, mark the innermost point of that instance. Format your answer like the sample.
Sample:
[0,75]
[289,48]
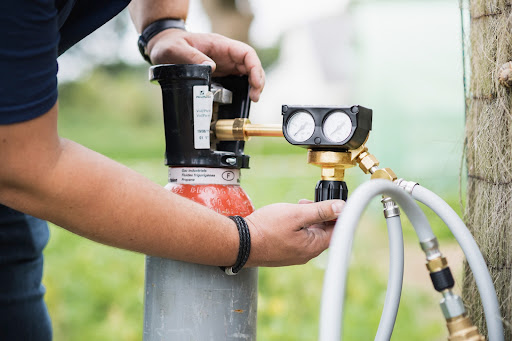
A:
[231,160]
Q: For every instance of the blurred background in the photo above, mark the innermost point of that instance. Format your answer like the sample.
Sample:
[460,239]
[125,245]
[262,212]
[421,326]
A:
[403,59]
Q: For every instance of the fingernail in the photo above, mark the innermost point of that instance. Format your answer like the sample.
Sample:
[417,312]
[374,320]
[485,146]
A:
[338,207]
[207,62]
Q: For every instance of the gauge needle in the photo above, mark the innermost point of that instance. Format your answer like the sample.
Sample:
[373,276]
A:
[301,128]
[337,128]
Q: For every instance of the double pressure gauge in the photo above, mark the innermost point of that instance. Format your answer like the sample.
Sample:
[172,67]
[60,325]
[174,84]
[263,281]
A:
[329,128]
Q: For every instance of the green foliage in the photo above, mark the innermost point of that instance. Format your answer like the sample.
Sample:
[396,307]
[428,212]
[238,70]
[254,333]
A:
[95,292]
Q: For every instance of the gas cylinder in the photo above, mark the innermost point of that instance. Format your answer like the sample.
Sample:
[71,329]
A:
[185,301]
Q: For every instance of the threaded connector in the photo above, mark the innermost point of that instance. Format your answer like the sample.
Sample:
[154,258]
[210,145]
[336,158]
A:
[451,305]
[442,279]
[461,328]
[390,208]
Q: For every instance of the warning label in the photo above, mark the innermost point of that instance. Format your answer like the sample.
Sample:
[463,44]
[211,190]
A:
[200,176]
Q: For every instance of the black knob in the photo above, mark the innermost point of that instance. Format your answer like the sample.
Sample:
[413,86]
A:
[327,190]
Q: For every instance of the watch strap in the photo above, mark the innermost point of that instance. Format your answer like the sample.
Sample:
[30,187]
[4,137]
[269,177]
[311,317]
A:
[153,29]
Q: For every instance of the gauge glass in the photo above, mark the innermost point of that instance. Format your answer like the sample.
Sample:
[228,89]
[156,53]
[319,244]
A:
[301,126]
[337,126]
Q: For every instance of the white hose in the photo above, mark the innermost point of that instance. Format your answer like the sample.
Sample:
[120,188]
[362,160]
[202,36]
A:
[473,255]
[331,311]
[395,278]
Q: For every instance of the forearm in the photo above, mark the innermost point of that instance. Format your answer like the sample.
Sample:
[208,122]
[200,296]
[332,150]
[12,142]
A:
[100,199]
[144,12]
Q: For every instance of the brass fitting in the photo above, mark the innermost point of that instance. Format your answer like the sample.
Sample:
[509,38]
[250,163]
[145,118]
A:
[367,161]
[384,173]
[460,328]
[241,129]
[333,164]
[437,264]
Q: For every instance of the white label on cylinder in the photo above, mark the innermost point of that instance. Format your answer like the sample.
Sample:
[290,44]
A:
[204,176]
[203,106]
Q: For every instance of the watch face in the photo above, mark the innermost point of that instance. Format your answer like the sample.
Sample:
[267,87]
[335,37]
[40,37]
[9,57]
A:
[337,126]
[300,126]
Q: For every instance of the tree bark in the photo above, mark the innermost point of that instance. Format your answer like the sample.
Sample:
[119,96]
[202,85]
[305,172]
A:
[489,155]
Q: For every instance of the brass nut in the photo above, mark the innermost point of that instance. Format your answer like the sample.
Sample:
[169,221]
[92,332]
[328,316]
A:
[231,130]
[437,264]
[367,162]
[328,158]
[333,173]
[460,328]
[384,173]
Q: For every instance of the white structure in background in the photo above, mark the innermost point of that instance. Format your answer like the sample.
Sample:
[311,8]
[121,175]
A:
[313,68]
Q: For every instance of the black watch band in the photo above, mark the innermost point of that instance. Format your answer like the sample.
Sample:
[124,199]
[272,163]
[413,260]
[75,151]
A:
[153,29]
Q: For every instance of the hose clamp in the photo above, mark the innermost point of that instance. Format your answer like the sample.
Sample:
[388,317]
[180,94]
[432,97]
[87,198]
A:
[390,208]
[431,248]
[407,186]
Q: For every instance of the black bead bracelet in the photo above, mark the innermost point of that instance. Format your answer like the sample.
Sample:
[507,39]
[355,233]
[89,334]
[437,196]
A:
[244,248]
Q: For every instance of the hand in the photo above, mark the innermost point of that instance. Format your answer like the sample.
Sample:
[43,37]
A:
[226,56]
[288,234]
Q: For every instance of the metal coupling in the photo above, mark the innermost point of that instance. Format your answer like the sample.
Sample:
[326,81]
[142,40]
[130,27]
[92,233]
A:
[407,186]
[431,248]
[390,208]
[451,305]
[461,328]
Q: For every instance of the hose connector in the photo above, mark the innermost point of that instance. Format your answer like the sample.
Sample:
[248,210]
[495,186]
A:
[451,305]
[431,248]
[461,328]
[390,208]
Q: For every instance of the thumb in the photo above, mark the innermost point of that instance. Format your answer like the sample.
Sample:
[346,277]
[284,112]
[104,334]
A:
[322,211]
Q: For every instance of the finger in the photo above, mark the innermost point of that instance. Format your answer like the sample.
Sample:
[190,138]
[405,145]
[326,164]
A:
[321,211]
[305,201]
[170,46]
[247,61]
[319,239]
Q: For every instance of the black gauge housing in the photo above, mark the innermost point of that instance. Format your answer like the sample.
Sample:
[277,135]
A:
[360,117]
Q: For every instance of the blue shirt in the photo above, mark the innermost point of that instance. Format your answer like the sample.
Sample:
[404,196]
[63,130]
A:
[34,34]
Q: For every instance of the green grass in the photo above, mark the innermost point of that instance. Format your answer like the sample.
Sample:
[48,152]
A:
[95,292]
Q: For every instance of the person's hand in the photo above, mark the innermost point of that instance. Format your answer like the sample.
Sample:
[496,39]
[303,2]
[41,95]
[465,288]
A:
[226,56]
[288,234]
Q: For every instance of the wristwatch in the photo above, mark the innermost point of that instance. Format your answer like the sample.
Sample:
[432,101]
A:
[153,29]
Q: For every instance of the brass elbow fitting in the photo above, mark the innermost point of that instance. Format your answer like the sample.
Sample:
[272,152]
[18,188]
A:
[369,163]
[384,173]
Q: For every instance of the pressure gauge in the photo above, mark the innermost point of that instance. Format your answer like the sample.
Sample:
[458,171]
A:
[337,126]
[300,126]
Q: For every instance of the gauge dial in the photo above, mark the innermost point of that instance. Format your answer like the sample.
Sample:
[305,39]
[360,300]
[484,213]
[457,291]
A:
[300,126]
[337,126]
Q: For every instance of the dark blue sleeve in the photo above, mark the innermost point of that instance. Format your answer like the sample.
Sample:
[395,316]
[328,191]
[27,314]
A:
[28,59]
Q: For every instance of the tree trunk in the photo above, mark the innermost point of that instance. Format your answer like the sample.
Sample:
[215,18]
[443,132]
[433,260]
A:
[489,154]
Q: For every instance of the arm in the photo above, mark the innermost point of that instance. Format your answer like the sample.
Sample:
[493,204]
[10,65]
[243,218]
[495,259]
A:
[226,56]
[93,196]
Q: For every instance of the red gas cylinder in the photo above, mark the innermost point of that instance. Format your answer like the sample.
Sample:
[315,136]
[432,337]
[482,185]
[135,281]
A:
[216,188]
